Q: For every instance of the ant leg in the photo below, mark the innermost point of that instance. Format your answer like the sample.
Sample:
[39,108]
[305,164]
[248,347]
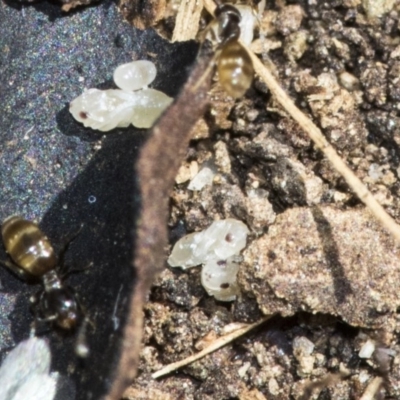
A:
[74,271]
[39,322]
[114,318]
[15,269]
[40,325]
[81,345]
[65,248]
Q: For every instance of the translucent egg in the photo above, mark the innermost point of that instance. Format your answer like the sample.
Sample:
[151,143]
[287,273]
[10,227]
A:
[221,240]
[135,75]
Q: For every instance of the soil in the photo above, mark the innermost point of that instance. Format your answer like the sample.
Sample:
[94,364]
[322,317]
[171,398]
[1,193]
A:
[316,259]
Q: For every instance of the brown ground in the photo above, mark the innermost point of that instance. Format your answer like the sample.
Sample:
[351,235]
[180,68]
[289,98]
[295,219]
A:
[315,257]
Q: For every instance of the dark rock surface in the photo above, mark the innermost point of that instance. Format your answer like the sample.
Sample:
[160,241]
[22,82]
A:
[55,171]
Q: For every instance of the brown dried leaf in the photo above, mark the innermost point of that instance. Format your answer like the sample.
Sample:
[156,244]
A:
[157,167]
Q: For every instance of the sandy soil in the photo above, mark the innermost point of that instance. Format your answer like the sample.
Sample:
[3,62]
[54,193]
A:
[316,259]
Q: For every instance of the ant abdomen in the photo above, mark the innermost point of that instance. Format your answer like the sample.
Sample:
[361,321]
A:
[28,247]
[235,68]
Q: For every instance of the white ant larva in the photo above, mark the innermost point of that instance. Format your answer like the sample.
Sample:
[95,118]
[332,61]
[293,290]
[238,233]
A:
[132,104]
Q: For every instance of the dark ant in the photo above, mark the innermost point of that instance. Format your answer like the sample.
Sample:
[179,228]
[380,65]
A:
[235,68]
[33,258]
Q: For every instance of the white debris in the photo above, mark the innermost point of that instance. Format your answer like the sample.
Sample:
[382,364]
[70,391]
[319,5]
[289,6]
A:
[25,373]
[367,349]
[376,8]
[216,248]
[242,371]
[133,103]
[204,177]
[375,172]
[302,350]
[273,387]
[247,23]
[364,376]
[302,346]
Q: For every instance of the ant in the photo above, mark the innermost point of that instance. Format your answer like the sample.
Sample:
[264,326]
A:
[235,68]
[33,258]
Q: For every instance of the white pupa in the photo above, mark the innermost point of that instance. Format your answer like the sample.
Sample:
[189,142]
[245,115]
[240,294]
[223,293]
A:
[133,103]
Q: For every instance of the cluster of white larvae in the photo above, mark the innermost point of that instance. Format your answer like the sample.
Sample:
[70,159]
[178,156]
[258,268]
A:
[216,248]
[133,103]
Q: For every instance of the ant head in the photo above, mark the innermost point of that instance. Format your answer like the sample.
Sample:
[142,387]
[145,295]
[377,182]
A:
[228,10]
[228,18]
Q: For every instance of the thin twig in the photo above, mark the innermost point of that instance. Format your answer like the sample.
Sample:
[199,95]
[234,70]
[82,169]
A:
[187,20]
[156,169]
[318,138]
[210,6]
[217,344]
[315,134]
[372,389]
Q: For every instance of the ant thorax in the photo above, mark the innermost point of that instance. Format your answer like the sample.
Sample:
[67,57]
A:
[228,18]
[57,302]
[51,281]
